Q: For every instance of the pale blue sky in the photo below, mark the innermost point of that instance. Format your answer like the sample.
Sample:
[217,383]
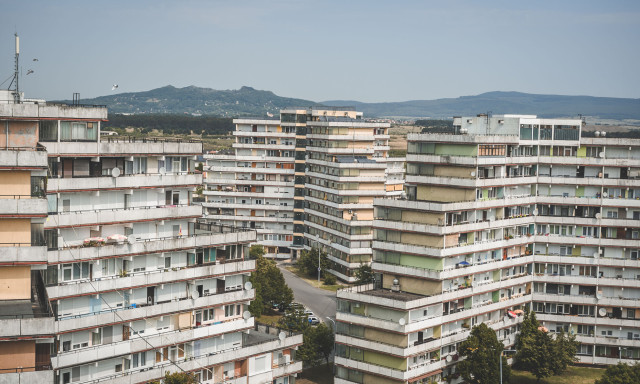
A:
[320,50]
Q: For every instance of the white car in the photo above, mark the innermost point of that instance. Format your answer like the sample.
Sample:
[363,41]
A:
[313,320]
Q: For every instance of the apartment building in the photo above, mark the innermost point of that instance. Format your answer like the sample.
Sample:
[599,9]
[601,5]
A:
[134,283]
[26,320]
[254,187]
[305,179]
[510,212]
[346,168]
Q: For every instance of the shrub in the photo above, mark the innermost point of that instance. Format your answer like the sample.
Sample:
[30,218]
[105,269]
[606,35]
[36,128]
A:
[329,279]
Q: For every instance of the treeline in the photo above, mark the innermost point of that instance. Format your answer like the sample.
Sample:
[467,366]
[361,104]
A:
[172,124]
[435,126]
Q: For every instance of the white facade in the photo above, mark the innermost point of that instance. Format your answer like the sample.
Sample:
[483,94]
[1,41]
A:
[138,284]
[254,188]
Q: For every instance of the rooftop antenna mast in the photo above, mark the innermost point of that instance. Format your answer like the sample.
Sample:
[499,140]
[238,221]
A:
[16,74]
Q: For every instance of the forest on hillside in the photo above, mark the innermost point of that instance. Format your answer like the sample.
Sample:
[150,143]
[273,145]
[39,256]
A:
[170,124]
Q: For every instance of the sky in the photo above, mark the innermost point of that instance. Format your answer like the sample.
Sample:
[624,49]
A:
[370,51]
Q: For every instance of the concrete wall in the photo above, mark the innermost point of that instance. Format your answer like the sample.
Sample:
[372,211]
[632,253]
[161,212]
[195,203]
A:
[21,134]
[15,354]
[15,283]
[449,171]
[15,183]
[15,231]
[413,285]
[444,194]
[386,337]
[421,240]
[422,217]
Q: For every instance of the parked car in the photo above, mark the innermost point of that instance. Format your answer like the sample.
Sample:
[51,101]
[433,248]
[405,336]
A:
[313,320]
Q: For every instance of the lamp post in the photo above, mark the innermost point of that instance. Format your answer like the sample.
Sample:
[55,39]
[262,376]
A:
[504,350]
[318,246]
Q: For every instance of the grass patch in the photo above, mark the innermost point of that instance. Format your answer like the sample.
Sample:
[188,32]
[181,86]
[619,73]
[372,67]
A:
[573,375]
[313,282]
[270,317]
[322,374]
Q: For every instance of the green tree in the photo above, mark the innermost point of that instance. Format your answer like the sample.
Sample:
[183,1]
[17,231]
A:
[294,319]
[256,251]
[308,262]
[268,281]
[620,373]
[483,353]
[177,378]
[541,354]
[330,279]
[317,345]
[364,274]
[564,349]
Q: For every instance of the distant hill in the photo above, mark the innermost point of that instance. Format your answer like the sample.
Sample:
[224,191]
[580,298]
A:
[247,101]
[503,103]
[195,100]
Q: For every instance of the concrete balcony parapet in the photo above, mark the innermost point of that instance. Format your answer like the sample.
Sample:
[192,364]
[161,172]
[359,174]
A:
[115,216]
[146,246]
[136,344]
[120,314]
[22,158]
[124,182]
[156,277]
[23,206]
[197,362]
[23,254]
[122,146]
[25,327]
[45,376]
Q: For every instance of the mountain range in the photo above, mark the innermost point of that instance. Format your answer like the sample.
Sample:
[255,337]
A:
[248,101]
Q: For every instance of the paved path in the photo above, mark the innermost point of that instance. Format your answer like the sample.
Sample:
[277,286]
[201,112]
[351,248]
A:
[320,301]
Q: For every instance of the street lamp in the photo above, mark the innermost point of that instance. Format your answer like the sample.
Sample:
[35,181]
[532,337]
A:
[503,351]
[318,246]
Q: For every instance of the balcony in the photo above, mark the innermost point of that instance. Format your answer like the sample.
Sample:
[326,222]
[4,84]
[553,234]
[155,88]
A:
[23,158]
[218,235]
[255,343]
[24,377]
[23,319]
[151,278]
[22,206]
[115,216]
[432,367]
[120,314]
[125,146]
[136,344]
[21,254]
[124,182]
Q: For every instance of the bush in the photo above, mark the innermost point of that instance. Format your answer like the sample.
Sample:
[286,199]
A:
[329,279]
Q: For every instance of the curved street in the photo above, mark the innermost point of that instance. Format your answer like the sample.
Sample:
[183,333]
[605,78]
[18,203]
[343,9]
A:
[320,301]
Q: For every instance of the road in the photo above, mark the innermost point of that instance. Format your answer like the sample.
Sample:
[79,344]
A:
[320,301]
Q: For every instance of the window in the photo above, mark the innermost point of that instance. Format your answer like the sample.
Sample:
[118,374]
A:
[78,131]
[139,359]
[261,364]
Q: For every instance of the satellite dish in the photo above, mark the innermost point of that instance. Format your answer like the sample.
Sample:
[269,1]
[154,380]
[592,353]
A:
[402,321]
[246,315]
[131,239]
[248,285]
[194,295]
[599,296]
[162,170]
[535,212]
[449,358]
[282,336]
[597,214]
[602,312]
[473,174]
[605,194]
[115,172]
